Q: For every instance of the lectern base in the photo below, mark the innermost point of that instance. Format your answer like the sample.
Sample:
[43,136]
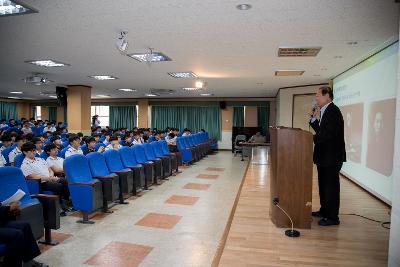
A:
[292,233]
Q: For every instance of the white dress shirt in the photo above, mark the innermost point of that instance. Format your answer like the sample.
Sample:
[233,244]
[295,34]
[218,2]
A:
[37,166]
[11,157]
[55,162]
[72,151]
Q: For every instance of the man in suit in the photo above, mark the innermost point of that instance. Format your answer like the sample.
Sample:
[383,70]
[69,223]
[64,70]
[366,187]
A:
[21,247]
[329,154]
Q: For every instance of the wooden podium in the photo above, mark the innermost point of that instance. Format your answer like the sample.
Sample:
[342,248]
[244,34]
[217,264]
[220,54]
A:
[291,176]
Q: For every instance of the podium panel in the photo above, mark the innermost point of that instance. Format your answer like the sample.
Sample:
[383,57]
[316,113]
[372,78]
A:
[291,176]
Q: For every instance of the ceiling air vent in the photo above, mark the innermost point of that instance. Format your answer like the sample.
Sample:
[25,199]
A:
[162,91]
[289,72]
[298,51]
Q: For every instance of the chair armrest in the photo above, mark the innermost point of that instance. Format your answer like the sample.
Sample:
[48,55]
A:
[118,172]
[104,177]
[83,183]
[44,196]
[134,167]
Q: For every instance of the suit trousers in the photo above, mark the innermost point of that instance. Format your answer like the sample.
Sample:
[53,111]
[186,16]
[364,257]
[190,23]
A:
[20,243]
[329,190]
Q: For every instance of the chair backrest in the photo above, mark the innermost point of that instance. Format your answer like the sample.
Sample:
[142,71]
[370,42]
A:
[164,147]
[97,164]
[186,141]
[240,137]
[12,179]
[76,168]
[7,151]
[65,144]
[148,151]
[180,144]
[113,160]
[83,146]
[19,159]
[62,153]
[138,150]
[127,156]
[98,145]
[156,148]
[44,155]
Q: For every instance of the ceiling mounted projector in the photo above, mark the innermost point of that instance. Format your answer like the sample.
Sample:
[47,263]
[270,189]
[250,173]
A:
[122,43]
[37,80]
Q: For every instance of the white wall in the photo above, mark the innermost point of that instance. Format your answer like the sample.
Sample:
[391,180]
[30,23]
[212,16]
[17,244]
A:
[394,245]
[284,103]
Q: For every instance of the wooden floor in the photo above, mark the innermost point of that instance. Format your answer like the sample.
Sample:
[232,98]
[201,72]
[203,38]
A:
[253,240]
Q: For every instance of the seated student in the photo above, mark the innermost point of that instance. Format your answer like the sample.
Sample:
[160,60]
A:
[37,168]
[49,128]
[91,146]
[75,143]
[19,141]
[114,143]
[6,141]
[59,126]
[157,136]
[3,124]
[146,135]
[171,141]
[2,161]
[257,138]
[38,144]
[186,132]
[18,238]
[96,137]
[107,136]
[137,139]
[55,163]
[11,123]
[55,139]
[26,128]
[82,142]
[127,140]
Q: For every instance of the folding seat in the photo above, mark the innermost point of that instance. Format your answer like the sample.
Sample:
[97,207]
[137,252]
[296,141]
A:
[40,211]
[114,164]
[213,144]
[86,192]
[166,161]
[109,181]
[190,147]
[158,168]
[129,161]
[193,145]
[187,155]
[173,156]
[138,151]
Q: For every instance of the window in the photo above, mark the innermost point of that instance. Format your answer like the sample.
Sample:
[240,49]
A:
[38,113]
[104,114]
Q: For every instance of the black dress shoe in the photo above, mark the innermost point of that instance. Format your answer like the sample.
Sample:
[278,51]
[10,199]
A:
[328,222]
[317,214]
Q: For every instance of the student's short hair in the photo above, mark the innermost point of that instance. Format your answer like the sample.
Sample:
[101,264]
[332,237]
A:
[171,135]
[73,138]
[28,146]
[54,138]
[49,123]
[6,138]
[49,147]
[18,138]
[89,139]
[36,139]
[80,134]
[95,135]
[186,130]
[113,138]
[326,90]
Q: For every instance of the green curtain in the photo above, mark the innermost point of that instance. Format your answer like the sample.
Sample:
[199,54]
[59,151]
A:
[122,116]
[8,110]
[263,118]
[238,117]
[52,113]
[193,117]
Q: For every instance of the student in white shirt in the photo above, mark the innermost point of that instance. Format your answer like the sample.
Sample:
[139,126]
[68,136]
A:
[114,143]
[186,132]
[17,150]
[55,163]
[37,168]
[27,128]
[2,161]
[37,141]
[49,128]
[3,124]
[74,148]
[257,138]
[107,140]
[6,141]
[137,139]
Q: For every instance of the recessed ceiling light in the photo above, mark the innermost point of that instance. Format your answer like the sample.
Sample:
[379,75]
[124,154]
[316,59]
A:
[127,90]
[103,95]
[150,57]
[14,97]
[185,74]
[206,94]
[200,84]
[191,88]
[298,51]
[150,94]
[52,96]
[47,63]
[243,6]
[15,92]
[9,7]
[103,77]
[289,72]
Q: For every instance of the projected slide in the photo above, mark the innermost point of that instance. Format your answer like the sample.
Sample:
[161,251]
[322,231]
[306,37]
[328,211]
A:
[366,95]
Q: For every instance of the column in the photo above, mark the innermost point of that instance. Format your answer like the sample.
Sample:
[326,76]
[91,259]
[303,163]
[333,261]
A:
[78,109]
[143,113]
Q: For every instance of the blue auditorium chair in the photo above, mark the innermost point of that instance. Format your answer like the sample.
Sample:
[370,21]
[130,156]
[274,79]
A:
[138,151]
[166,160]
[175,157]
[128,159]
[158,168]
[109,181]
[6,152]
[187,155]
[40,211]
[86,192]
[114,164]
[98,145]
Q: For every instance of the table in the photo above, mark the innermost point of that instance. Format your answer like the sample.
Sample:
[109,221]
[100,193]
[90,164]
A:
[260,158]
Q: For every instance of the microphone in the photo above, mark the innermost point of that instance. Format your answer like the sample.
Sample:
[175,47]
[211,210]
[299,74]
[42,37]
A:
[314,107]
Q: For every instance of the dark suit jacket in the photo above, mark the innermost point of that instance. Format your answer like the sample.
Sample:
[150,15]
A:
[5,214]
[329,149]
